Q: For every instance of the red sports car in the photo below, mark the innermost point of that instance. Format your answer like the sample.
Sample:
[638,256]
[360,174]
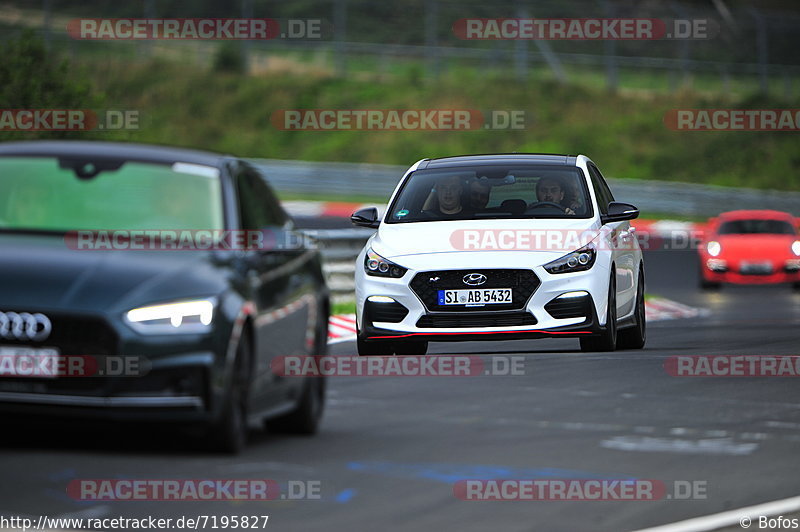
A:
[750,247]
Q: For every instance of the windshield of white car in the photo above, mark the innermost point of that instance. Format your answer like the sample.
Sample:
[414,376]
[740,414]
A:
[492,192]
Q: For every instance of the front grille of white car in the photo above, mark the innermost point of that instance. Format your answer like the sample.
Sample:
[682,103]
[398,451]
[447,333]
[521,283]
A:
[475,320]
[426,285]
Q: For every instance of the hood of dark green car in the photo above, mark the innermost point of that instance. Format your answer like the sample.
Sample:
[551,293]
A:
[40,272]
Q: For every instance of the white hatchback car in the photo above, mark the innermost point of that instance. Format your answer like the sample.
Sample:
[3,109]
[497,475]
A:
[496,247]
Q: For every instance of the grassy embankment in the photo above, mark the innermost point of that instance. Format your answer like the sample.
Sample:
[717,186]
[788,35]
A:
[191,106]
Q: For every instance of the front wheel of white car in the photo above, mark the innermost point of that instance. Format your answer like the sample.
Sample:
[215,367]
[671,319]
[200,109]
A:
[606,339]
[636,336]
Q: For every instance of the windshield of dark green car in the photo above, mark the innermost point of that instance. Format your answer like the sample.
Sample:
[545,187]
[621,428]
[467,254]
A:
[48,194]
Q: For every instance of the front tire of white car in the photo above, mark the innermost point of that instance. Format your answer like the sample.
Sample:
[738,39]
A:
[636,336]
[606,339]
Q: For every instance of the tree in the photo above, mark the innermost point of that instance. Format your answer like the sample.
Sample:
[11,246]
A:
[32,78]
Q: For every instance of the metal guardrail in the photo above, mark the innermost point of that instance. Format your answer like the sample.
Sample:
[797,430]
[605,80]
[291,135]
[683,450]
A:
[339,248]
[378,180]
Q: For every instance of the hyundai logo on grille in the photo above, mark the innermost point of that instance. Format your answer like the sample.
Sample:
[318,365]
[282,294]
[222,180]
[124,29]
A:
[24,326]
[474,279]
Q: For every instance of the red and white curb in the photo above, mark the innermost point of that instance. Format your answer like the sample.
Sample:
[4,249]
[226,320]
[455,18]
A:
[286,310]
[659,308]
[342,327]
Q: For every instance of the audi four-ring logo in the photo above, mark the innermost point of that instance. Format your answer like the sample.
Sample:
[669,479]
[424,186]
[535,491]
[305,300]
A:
[24,326]
[474,279]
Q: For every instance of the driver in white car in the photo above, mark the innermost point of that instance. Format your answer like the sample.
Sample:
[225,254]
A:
[551,190]
[445,198]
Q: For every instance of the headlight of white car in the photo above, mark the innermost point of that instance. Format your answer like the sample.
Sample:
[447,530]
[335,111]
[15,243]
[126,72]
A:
[376,265]
[577,261]
[181,317]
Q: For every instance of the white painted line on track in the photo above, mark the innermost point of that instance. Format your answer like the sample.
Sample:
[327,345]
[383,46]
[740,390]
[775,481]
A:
[748,514]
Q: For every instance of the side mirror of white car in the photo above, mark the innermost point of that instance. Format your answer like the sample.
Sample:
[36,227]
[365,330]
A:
[366,218]
[618,212]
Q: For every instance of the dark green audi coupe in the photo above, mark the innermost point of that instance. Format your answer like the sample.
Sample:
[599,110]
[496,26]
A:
[173,258]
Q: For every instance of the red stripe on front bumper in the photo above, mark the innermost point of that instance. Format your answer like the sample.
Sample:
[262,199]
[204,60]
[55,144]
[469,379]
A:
[476,332]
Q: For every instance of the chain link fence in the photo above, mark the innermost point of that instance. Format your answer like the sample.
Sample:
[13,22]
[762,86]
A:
[747,48]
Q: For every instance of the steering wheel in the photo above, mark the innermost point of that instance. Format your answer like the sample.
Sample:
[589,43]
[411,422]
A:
[540,204]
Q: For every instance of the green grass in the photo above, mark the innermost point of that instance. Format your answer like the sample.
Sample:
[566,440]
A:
[344,307]
[353,198]
[646,215]
[188,105]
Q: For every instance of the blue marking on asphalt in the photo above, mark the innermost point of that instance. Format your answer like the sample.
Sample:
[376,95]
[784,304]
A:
[345,496]
[451,473]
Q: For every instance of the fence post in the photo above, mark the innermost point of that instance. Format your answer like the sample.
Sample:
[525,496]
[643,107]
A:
[684,47]
[247,12]
[552,59]
[146,47]
[787,85]
[47,12]
[610,52]
[521,49]
[340,34]
[726,80]
[761,49]
[431,37]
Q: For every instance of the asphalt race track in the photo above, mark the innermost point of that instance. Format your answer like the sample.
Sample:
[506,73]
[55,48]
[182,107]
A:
[391,449]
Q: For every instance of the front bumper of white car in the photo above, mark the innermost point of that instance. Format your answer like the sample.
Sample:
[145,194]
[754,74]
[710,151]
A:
[543,304]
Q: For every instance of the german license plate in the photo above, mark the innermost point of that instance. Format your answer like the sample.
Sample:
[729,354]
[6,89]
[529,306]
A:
[477,296]
[755,268]
[45,363]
